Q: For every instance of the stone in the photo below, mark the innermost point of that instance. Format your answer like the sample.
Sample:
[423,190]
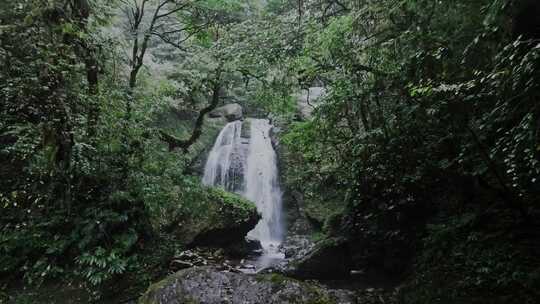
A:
[210,286]
[179,264]
[231,112]
[296,246]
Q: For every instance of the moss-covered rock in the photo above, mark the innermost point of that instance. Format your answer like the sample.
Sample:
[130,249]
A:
[209,285]
[216,219]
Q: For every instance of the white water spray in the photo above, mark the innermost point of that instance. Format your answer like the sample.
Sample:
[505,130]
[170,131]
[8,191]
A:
[224,166]
[262,185]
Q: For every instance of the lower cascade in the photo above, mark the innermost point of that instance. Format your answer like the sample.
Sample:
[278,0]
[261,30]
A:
[245,163]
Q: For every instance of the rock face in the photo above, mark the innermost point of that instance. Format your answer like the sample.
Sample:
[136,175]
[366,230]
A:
[209,285]
[231,112]
[329,259]
[242,249]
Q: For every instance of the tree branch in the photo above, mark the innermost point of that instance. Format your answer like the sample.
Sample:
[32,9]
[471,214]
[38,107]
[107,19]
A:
[175,143]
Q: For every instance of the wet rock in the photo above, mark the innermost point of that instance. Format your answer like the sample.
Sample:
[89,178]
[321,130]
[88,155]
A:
[329,259]
[248,247]
[191,258]
[225,235]
[211,286]
[253,245]
[231,112]
[179,264]
[248,266]
[204,256]
[296,246]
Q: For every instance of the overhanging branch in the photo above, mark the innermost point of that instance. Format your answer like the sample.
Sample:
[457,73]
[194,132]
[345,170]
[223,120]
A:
[176,143]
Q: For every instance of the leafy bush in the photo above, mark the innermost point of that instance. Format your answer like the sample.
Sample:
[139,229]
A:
[465,259]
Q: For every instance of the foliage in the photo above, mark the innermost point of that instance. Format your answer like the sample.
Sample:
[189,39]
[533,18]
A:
[429,121]
[427,103]
[466,258]
[86,181]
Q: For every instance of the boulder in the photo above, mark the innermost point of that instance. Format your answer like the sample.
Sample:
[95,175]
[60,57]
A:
[231,112]
[220,219]
[329,259]
[209,285]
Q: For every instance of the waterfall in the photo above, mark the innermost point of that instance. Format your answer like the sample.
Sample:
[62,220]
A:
[248,166]
[225,163]
[262,185]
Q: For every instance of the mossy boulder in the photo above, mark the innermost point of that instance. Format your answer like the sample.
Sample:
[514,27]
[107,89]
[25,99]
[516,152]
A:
[216,219]
[209,285]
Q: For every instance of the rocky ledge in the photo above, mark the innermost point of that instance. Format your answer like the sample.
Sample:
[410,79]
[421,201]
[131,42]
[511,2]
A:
[211,285]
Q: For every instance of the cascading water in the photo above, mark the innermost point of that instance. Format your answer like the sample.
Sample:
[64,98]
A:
[225,163]
[248,166]
[262,185]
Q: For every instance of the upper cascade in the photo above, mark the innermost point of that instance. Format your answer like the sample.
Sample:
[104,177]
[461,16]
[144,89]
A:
[226,161]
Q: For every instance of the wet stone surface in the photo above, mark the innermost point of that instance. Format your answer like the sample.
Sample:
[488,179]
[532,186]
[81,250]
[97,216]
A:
[210,285]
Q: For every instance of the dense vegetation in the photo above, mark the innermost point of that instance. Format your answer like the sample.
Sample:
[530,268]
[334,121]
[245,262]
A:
[87,179]
[424,151]
[430,132]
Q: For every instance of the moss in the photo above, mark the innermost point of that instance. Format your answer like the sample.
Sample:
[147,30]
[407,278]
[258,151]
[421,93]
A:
[319,296]
[323,212]
[277,278]
[324,300]
[225,208]
[149,295]
[317,236]
[315,293]
[330,242]
[237,204]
